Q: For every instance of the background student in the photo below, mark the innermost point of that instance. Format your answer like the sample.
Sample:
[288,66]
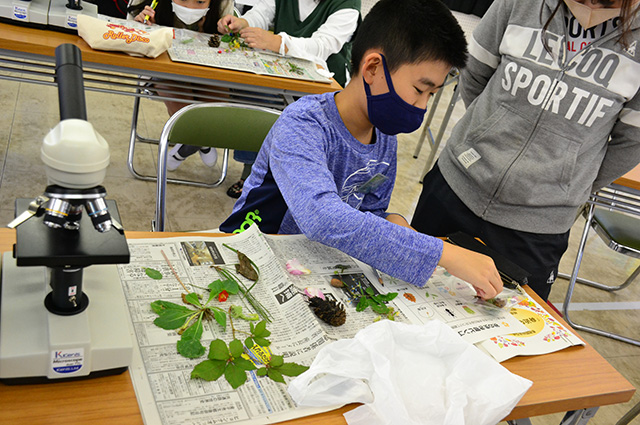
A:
[195,15]
[553,113]
[328,165]
[318,30]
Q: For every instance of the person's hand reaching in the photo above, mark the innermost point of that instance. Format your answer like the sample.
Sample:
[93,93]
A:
[477,269]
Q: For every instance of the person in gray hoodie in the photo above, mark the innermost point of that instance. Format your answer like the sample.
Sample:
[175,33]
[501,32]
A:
[553,114]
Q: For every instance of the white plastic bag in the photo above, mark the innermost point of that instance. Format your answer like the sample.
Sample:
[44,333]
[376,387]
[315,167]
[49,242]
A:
[410,374]
[104,35]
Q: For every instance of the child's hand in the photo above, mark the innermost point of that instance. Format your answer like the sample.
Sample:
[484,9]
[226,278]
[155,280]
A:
[230,23]
[477,269]
[147,11]
[258,38]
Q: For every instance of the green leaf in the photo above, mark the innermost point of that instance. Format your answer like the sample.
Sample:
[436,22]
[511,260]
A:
[276,361]
[369,290]
[173,319]
[243,363]
[292,369]
[190,348]
[236,348]
[380,308]
[260,329]
[209,370]
[377,299]
[261,341]
[362,304]
[234,375]
[262,371]
[192,298]
[390,296]
[160,306]
[189,345]
[229,285]
[226,38]
[218,350]
[236,313]
[153,273]
[221,317]
[249,342]
[195,330]
[275,375]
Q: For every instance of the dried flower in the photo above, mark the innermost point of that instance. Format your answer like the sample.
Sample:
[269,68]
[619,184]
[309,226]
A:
[294,267]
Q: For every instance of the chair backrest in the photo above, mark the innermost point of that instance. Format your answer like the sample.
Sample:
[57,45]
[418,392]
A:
[223,125]
[217,125]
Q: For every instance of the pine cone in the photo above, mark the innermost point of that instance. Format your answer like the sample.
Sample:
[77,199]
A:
[214,40]
[328,311]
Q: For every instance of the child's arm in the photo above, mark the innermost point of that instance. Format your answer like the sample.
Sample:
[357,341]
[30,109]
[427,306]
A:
[326,40]
[298,161]
[477,269]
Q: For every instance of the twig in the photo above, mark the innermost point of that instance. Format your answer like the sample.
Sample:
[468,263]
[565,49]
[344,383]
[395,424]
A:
[173,270]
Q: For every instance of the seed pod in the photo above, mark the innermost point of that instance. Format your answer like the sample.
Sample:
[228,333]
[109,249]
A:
[328,311]
[214,40]
[336,282]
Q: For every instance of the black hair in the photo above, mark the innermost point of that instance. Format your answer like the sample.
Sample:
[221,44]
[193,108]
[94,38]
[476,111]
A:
[409,32]
[164,14]
[628,12]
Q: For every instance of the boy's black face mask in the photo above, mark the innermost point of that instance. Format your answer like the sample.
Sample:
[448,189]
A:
[389,113]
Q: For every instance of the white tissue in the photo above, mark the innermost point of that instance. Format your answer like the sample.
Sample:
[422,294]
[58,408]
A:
[410,374]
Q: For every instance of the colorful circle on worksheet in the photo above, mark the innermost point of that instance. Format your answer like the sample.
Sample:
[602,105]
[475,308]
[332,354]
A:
[531,320]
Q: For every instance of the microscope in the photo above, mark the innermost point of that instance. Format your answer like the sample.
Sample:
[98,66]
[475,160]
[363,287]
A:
[63,313]
[56,14]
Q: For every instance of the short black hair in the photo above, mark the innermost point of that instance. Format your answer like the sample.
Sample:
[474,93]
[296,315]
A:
[409,32]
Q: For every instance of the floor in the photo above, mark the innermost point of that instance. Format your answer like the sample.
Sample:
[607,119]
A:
[29,111]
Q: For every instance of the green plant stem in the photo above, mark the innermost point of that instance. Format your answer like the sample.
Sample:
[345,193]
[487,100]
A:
[257,305]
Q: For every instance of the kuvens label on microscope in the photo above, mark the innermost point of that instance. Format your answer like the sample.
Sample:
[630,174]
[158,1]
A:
[67,361]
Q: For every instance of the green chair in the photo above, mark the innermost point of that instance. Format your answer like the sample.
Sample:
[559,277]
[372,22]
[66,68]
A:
[217,125]
[614,213]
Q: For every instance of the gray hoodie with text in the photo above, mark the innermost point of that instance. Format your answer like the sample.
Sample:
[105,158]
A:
[534,141]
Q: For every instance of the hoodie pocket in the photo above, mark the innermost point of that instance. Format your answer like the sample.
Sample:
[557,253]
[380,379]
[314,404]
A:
[493,143]
[542,174]
[520,165]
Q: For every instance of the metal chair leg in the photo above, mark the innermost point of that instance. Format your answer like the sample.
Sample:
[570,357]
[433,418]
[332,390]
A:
[426,130]
[441,130]
[598,285]
[572,283]
[630,415]
[134,137]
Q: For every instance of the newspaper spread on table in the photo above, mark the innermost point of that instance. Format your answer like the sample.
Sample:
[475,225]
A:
[193,47]
[167,394]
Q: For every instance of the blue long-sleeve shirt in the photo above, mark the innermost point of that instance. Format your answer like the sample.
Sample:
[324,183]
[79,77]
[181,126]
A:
[313,177]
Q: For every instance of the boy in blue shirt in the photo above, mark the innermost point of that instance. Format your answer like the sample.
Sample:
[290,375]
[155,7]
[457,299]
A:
[328,165]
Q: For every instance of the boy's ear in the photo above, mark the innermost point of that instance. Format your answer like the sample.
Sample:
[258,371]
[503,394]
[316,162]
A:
[371,66]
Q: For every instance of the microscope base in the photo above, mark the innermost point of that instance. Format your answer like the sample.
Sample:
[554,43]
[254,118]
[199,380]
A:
[36,345]
[33,13]
[64,18]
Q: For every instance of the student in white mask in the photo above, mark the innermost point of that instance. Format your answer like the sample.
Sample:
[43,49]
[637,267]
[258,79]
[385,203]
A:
[552,90]
[195,15]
